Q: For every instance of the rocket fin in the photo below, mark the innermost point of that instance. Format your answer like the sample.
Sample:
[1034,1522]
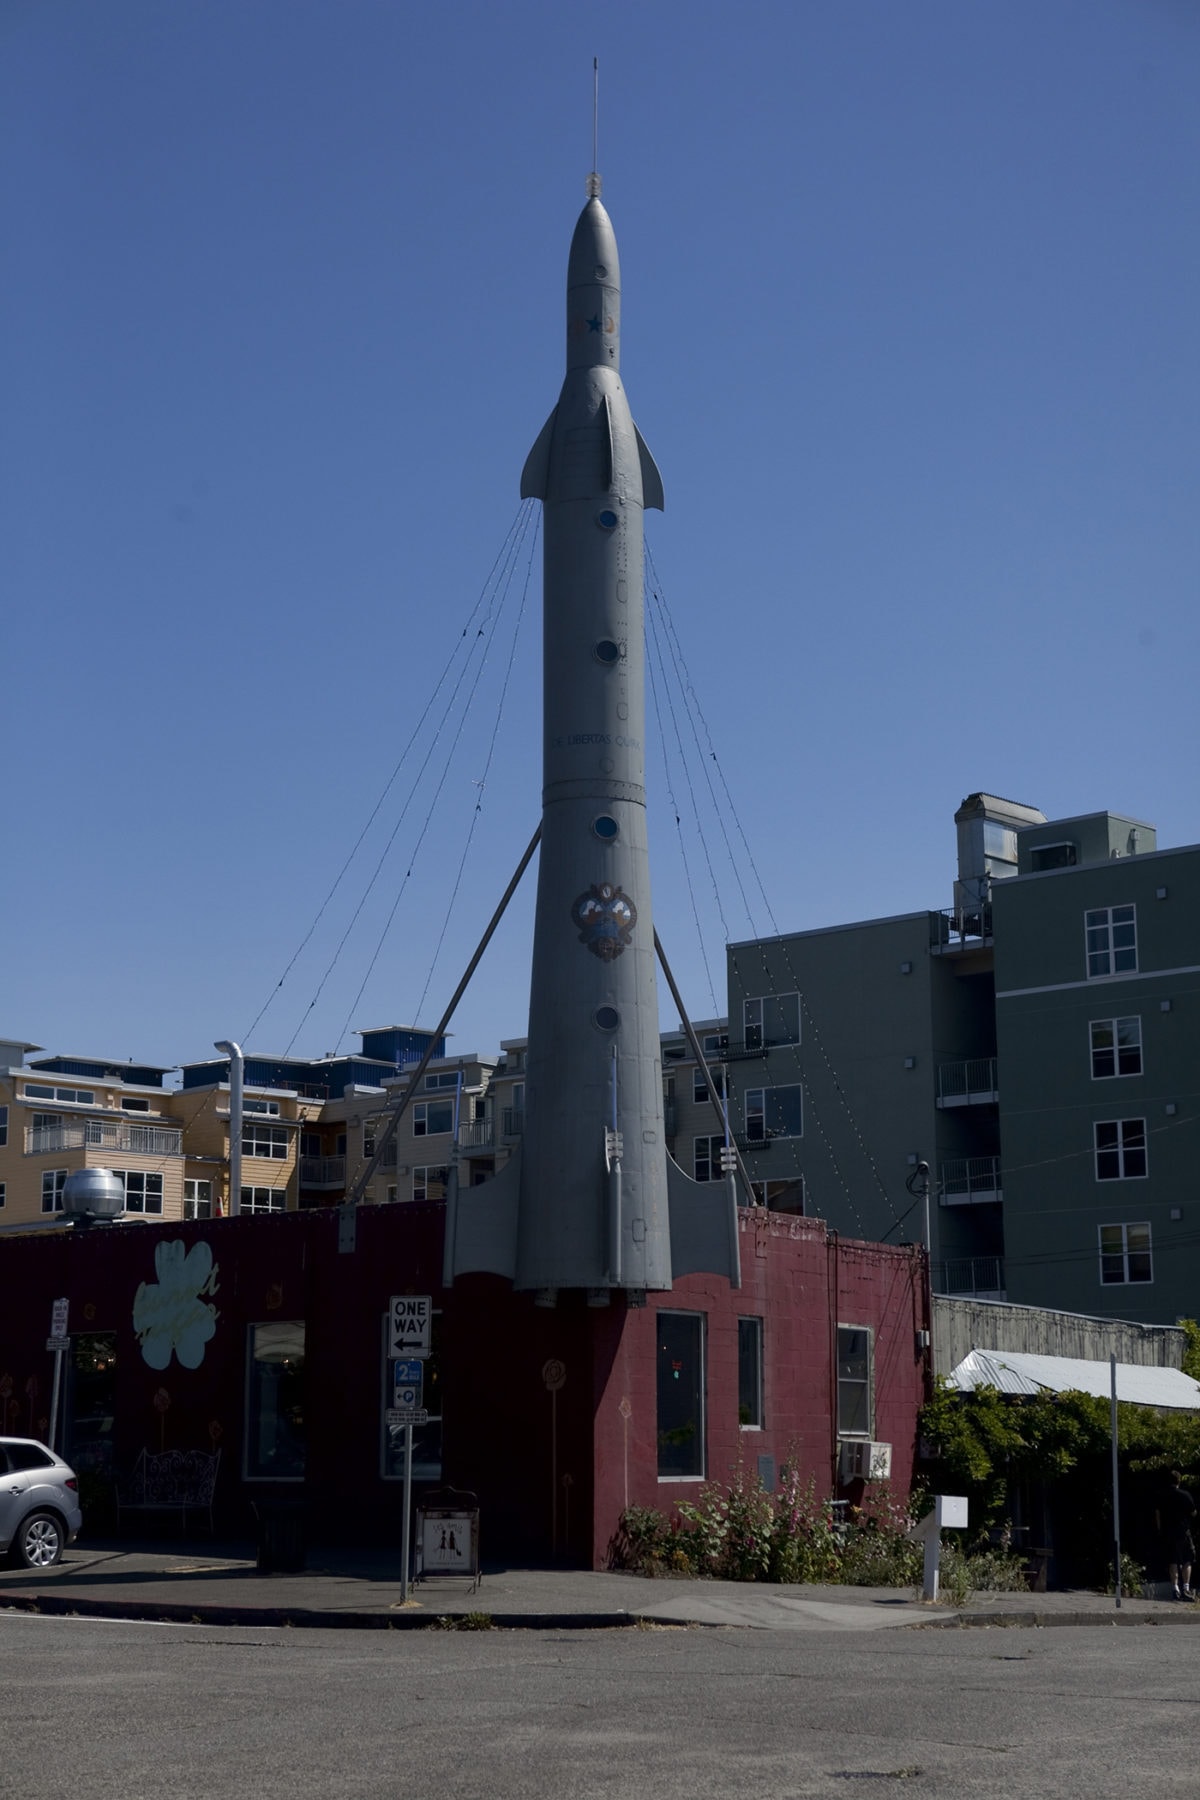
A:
[652,487]
[704,1226]
[536,472]
[481,1231]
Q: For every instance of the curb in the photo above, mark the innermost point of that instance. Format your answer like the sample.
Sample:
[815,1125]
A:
[302,1617]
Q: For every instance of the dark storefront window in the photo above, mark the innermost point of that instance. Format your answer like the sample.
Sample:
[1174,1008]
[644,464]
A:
[91,1401]
[680,1395]
[276,1431]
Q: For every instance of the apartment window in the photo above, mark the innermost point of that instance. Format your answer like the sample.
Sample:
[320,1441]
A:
[197,1199]
[135,1105]
[856,1408]
[781,1196]
[1116,1047]
[143,1191]
[1125,1253]
[430,1184]
[750,1373]
[447,1078]
[1120,1149]
[264,1200]
[700,1086]
[3,1193]
[774,1113]
[52,1190]
[706,1157]
[771,1019]
[269,1107]
[265,1140]
[3,1125]
[393,1194]
[1111,933]
[681,1449]
[433,1117]
[368,1140]
[38,1090]
[276,1423]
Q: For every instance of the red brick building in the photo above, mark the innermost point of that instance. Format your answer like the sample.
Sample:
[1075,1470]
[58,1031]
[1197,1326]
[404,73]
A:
[266,1338]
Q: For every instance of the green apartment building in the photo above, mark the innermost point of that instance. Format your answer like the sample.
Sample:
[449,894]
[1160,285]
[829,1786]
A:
[1037,1045]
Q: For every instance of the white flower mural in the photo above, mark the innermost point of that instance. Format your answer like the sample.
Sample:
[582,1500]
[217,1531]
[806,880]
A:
[169,1314]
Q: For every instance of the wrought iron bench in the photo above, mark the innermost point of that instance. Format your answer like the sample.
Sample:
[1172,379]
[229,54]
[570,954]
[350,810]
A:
[180,1481]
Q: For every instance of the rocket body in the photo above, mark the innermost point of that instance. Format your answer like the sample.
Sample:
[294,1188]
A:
[594,1055]
[592,1198]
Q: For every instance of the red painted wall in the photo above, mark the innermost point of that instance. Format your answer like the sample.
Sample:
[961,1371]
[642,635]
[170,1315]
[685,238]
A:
[553,1465]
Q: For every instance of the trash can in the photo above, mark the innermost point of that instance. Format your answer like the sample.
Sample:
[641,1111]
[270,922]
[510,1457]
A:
[282,1545]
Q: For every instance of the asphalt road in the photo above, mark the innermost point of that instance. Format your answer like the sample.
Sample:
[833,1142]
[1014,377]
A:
[93,1709]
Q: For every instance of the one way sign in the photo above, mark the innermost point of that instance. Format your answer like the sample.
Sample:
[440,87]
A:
[412,1316]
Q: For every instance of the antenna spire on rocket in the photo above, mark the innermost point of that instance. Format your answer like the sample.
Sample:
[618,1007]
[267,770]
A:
[594,183]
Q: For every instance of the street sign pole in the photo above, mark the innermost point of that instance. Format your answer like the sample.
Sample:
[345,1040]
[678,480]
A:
[405,1563]
[59,1342]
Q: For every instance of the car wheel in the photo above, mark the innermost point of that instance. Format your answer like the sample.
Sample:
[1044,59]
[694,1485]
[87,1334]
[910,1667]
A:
[40,1541]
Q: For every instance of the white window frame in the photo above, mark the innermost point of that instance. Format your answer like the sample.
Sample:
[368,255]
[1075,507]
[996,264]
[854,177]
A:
[1103,955]
[269,1143]
[52,1189]
[193,1199]
[258,1199]
[1135,1131]
[268,1108]
[754,1028]
[69,1096]
[421,1180]
[716,1143]
[1125,1252]
[757,1111]
[421,1123]
[757,1421]
[1115,1047]
[846,1431]
[138,1196]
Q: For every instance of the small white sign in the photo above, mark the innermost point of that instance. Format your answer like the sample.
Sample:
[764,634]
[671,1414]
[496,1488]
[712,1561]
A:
[399,1416]
[58,1318]
[411,1324]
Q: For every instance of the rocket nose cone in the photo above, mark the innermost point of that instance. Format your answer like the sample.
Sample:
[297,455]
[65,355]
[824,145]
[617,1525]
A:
[593,258]
[593,292]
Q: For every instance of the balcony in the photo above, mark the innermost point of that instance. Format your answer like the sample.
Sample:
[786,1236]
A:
[322,1171]
[961,928]
[106,1134]
[476,1135]
[971,1181]
[970,1277]
[971,1083]
[512,1121]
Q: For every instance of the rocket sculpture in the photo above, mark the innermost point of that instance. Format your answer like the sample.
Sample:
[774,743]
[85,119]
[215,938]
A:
[592,1199]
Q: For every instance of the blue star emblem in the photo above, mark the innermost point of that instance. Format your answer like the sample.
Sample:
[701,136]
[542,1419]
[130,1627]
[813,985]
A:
[593,324]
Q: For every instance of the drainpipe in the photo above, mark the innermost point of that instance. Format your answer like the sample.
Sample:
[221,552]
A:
[237,1070]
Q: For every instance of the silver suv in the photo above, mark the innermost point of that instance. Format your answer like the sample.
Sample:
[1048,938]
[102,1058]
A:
[39,1503]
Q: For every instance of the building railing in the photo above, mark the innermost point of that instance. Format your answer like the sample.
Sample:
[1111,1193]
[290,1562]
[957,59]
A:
[968,1275]
[477,1134]
[970,1180]
[108,1134]
[961,928]
[968,1083]
[322,1171]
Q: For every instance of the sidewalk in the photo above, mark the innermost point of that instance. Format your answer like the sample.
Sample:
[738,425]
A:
[361,1590]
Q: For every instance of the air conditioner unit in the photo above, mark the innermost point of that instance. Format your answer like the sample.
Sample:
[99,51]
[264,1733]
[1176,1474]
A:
[863,1461]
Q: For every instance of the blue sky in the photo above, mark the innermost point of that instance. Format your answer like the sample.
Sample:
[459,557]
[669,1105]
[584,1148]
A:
[909,321]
